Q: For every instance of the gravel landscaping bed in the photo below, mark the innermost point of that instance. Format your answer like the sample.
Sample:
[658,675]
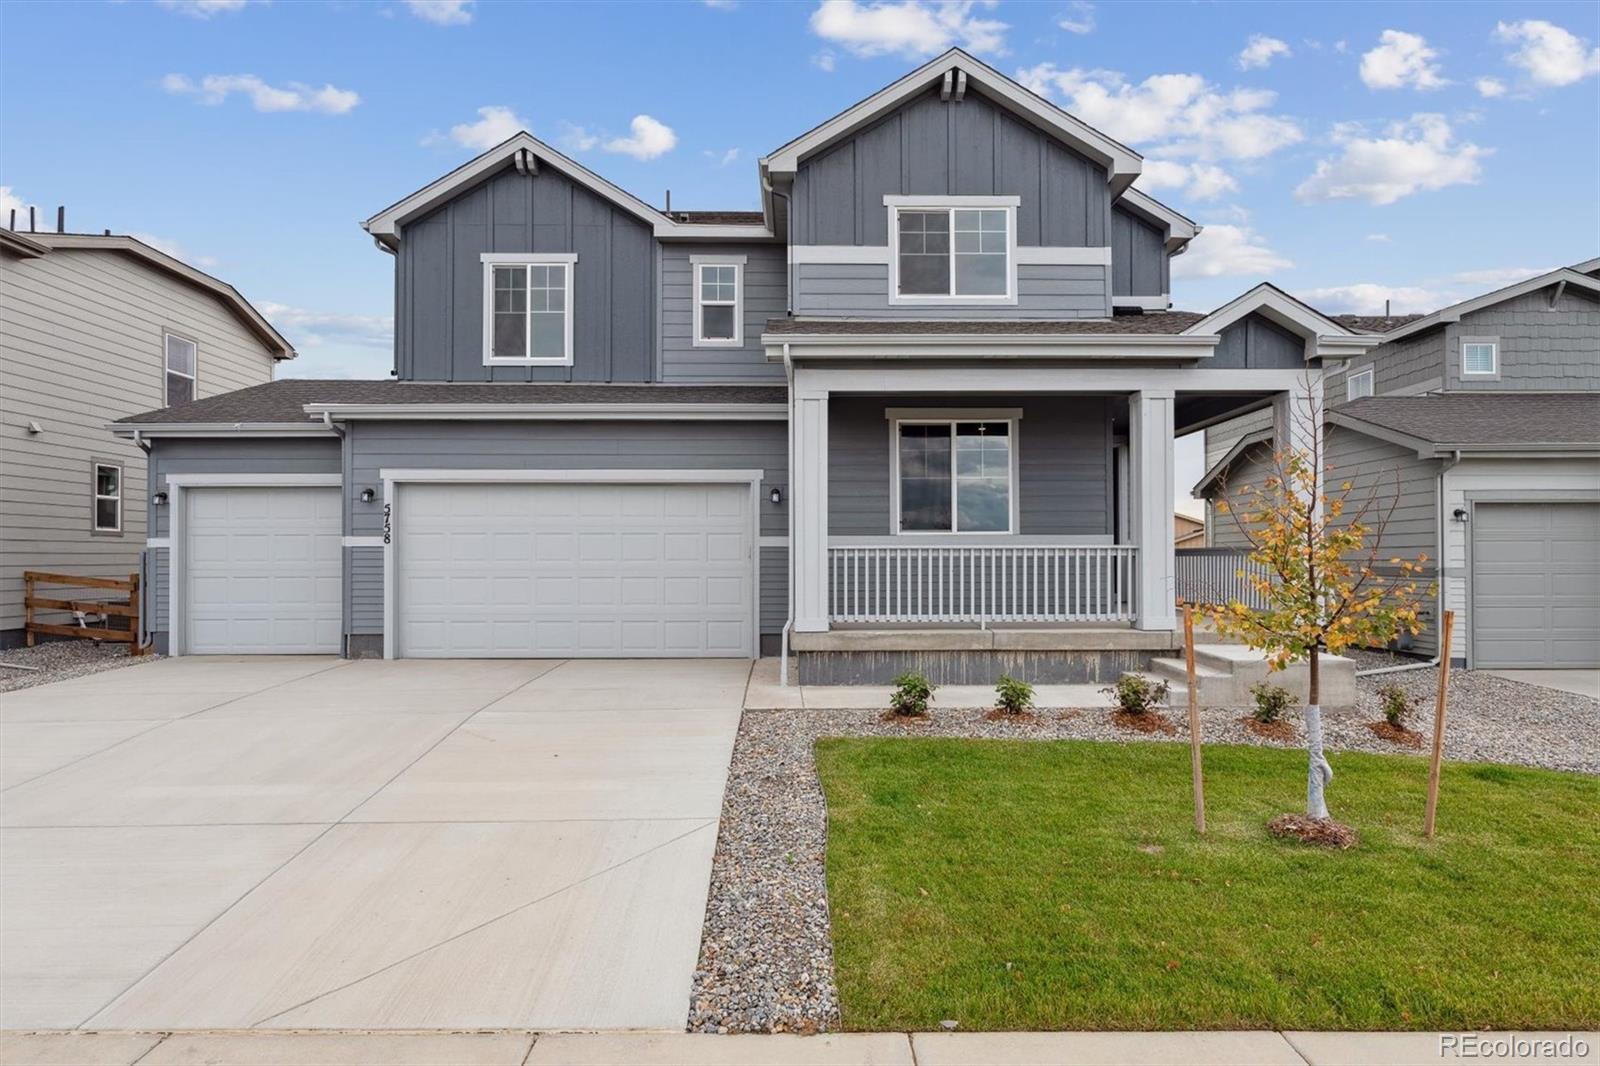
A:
[57,660]
[766,953]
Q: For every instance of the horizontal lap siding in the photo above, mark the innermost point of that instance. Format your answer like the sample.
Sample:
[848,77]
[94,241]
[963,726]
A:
[765,297]
[861,289]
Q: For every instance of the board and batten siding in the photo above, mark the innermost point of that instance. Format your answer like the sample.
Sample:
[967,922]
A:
[1139,262]
[80,346]
[376,446]
[1063,457]
[439,281]
[765,296]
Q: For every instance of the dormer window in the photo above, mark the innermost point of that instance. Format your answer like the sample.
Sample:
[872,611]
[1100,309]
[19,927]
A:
[952,249]
[527,309]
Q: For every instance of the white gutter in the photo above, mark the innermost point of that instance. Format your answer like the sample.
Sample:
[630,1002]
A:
[622,412]
[152,430]
[788,621]
[997,347]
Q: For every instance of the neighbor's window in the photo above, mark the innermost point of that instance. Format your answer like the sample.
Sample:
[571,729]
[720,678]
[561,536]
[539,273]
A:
[955,477]
[1358,384]
[953,251]
[718,314]
[1478,357]
[181,359]
[528,311]
[107,498]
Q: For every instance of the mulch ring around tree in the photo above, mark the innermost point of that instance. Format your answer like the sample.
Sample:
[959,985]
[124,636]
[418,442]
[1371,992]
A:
[1396,734]
[1000,714]
[1277,729]
[1147,722]
[1323,832]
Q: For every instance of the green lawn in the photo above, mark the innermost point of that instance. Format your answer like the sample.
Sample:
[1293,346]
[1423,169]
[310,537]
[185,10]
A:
[1034,885]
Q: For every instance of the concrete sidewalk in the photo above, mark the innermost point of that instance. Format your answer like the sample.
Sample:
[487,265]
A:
[524,1048]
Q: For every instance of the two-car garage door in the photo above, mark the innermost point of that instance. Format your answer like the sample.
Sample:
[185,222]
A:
[509,569]
[1535,585]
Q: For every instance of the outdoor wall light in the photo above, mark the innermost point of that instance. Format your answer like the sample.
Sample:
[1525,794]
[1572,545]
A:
[776,495]
[368,495]
[159,499]
[1459,514]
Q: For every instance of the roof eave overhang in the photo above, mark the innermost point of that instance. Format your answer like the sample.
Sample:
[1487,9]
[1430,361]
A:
[999,347]
[1454,312]
[1180,229]
[1219,470]
[547,412]
[1325,338]
[219,429]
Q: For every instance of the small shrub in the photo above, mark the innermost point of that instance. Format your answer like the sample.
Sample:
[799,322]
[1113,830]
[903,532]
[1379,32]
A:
[1136,694]
[911,694]
[1397,706]
[1013,696]
[1271,701]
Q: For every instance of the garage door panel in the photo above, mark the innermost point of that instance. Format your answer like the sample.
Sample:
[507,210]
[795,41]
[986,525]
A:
[1535,585]
[604,570]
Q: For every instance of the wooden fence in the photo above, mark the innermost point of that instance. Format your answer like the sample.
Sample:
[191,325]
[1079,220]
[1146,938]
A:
[108,608]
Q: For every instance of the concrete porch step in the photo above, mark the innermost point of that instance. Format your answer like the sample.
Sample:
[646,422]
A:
[1225,673]
[1215,687]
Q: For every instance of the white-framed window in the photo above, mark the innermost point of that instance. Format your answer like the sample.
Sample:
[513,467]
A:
[718,301]
[955,473]
[1480,358]
[106,509]
[1358,384]
[952,249]
[182,361]
[527,309]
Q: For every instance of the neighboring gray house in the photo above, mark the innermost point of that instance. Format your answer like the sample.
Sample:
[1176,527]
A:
[1482,422]
[919,408]
[93,328]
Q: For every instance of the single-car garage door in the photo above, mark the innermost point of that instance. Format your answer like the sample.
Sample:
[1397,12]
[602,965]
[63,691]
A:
[263,571]
[1535,585]
[573,570]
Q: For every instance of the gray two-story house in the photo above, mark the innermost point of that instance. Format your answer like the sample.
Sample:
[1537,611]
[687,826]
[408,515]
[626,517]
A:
[918,409]
[1472,434]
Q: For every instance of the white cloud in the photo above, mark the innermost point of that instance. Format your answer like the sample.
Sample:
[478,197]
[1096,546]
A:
[1078,18]
[1496,277]
[1489,88]
[722,159]
[213,89]
[576,138]
[1173,114]
[721,5]
[911,29]
[1400,60]
[1379,238]
[330,327]
[495,124]
[1417,155]
[1261,50]
[442,12]
[825,61]
[9,202]
[1199,181]
[174,249]
[202,9]
[1224,250]
[649,139]
[1551,55]
[1369,298]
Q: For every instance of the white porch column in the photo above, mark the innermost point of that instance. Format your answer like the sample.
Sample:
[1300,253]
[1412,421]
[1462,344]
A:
[1150,442]
[808,502]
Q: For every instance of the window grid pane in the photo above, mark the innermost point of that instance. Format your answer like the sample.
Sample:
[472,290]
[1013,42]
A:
[180,389]
[980,253]
[107,498]
[983,477]
[926,491]
[180,355]
[924,253]
[1478,358]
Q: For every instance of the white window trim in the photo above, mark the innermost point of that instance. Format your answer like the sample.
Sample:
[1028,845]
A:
[1365,373]
[1494,351]
[490,260]
[896,204]
[950,416]
[738,264]
[166,365]
[95,466]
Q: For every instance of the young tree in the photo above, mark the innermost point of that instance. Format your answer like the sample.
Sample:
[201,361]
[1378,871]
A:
[1317,573]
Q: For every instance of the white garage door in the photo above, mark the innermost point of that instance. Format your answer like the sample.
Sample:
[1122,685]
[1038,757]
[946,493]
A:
[573,570]
[1535,585]
[264,570]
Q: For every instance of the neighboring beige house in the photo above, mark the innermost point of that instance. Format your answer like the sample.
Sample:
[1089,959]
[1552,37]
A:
[1188,531]
[93,328]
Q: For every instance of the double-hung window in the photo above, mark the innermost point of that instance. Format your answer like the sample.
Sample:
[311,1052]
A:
[1480,358]
[527,309]
[107,507]
[954,475]
[718,301]
[961,249]
[182,356]
[1358,384]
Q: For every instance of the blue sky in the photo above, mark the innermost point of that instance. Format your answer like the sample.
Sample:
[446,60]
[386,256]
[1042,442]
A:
[1351,153]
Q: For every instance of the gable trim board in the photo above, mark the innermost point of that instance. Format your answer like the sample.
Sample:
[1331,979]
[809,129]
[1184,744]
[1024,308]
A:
[1325,338]
[1565,276]
[1180,228]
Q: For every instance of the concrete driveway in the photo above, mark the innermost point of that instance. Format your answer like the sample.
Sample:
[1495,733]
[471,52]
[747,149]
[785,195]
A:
[220,843]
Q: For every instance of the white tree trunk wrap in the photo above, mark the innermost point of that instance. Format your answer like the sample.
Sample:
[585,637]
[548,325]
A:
[1319,773]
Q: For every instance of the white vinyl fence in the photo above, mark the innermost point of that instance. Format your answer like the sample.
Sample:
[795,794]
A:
[1211,575]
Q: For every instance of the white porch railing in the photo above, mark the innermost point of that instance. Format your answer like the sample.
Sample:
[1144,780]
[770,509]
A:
[1211,575]
[931,583]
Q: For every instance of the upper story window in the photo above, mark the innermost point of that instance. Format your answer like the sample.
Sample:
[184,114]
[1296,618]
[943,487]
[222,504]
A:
[182,355]
[953,249]
[107,514]
[527,309]
[1358,384]
[954,475]
[718,301]
[1480,358]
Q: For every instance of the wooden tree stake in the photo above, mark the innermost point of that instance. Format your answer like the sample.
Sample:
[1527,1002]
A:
[1438,726]
[1194,723]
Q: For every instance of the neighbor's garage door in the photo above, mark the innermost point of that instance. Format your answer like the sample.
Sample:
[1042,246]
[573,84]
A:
[1536,584]
[263,570]
[571,570]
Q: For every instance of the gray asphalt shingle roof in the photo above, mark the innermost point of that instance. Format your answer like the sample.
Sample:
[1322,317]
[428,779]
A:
[1484,419]
[1157,322]
[1375,323]
[285,400]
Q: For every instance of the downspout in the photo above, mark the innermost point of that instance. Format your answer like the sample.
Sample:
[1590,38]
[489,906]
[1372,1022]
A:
[344,526]
[145,636]
[788,261]
[788,622]
[1438,563]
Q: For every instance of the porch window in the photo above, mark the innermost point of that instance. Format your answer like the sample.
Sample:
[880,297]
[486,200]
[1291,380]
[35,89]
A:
[953,252]
[954,476]
[527,310]
[718,302]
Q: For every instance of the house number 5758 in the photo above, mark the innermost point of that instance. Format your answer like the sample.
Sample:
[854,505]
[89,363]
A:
[388,526]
